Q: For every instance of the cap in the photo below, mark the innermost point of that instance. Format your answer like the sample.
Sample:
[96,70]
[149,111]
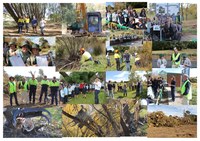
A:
[36,46]
[11,43]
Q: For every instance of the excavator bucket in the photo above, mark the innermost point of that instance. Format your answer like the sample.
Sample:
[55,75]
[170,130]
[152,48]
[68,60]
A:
[30,113]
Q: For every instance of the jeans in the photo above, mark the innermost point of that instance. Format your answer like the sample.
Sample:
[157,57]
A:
[20,27]
[45,95]
[173,94]
[110,93]
[15,96]
[32,93]
[108,62]
[42,30]
[128,67]
[96,97]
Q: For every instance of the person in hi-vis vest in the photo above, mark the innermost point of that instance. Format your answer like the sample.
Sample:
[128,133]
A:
[32,88]
[12,87]
[176,58]
[54,85]
[186,90]
[23,85]
[44,89]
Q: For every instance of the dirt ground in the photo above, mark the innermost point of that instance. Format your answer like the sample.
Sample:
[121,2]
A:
[51,29]
[6,101]
[183,131]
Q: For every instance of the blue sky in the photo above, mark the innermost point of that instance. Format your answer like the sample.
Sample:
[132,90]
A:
[110,3]
[173,110]
[119,76]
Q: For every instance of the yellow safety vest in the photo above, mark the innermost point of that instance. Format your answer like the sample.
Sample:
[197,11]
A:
[43,82]
[86,56]
[33,82]
[27,20]
[20,20]
[116,56]
[174,58]
[56,84]
[24,86]
[189,95]
[12,87]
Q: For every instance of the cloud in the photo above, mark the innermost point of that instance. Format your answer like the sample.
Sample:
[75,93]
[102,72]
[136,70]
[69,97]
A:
[122,74]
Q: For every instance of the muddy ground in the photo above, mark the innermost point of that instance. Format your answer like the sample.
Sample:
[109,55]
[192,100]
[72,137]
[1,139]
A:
[183,131]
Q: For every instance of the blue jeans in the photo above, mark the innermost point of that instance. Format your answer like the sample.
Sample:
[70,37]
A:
[42,30]
[128,67]
[96,96]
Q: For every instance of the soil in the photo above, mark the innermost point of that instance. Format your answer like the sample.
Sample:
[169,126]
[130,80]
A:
[183,131]
[51,29]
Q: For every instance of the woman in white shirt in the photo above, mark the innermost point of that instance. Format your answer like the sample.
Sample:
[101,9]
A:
[42,25]
[97,88]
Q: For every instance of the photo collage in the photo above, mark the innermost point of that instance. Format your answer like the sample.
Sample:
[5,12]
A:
[114,69]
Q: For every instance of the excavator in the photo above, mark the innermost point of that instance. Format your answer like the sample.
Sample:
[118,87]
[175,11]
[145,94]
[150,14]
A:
[87,23]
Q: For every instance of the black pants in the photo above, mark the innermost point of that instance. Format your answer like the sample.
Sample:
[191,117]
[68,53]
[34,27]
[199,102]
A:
[32,93]
[54,95]
[96,96]
[15,96]
[173,94]
[41,95]
[65,99]
[117,64]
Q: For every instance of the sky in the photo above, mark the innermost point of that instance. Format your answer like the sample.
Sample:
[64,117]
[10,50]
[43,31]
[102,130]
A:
[24,71]
[119,76]
[193,71]
[173,110]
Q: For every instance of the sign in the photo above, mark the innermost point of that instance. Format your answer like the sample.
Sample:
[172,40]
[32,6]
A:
[156,28]
[42,60]
[16,60]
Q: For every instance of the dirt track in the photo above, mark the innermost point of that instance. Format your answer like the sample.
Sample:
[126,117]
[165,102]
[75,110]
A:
[183,131]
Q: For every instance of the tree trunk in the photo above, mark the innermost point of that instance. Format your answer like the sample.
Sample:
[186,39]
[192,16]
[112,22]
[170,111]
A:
[11,11]
[96,131]
[112,121]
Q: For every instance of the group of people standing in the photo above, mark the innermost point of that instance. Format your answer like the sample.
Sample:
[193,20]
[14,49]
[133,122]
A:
[171,26]
[113,88]
[120,58]
[127,17]
[156,86]
[178,60]
[28,90]
[74,90]
[25,21]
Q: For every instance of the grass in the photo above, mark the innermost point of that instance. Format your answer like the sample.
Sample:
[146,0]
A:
[123,65]
[193,101]
[56,113]
[189,51]
[190,27]
[90,65]
[131,94]
[89,99]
